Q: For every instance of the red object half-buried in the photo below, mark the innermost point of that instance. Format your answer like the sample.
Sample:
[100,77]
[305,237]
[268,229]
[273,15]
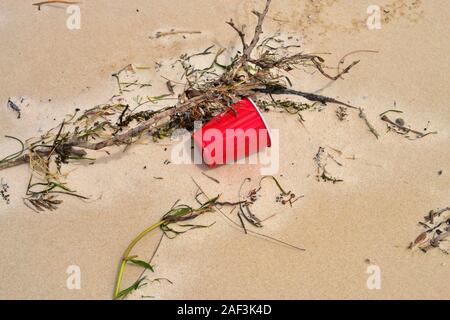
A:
[233,135]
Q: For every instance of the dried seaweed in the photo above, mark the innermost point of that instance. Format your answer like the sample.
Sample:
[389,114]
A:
[13,106]
[437,231]
[173,32]
[363,116]
[245,203]
[177,215]
[260,69]
[320,159]
[244,208]
[240,226]
[399,126]
[342,113]
[4,187]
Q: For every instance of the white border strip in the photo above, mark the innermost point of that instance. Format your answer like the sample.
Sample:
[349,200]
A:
[264,120]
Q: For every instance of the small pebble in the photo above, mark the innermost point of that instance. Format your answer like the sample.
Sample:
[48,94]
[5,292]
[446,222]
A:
[400,122]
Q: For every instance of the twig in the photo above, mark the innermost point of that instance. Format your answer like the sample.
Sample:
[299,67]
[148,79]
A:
[249,231]
[240,33]
[435,213]
[211,178]
[258,30]
[309,96]
[161,34]
[14,107]
[363,116]
[39,4]
[242,222]
[437,231]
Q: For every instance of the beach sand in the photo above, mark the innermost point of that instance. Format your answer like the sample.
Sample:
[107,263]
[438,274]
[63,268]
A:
[369,219]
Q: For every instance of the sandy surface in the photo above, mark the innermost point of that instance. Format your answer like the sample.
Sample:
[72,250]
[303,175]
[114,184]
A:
[372,215]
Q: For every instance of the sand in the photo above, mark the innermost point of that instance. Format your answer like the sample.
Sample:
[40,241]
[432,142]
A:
[373,214]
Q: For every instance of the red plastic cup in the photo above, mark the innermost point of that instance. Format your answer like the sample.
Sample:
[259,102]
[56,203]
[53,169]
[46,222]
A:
[234,134]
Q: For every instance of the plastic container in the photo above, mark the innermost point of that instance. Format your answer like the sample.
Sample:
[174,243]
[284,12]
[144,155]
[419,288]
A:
[234,134]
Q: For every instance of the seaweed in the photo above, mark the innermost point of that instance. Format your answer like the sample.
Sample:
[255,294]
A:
[342,113]
[320,159]
[437,231]
[259,70]
[173,32]
[13,106]
[176,215]
[242,226]
[399,126]
[4,187]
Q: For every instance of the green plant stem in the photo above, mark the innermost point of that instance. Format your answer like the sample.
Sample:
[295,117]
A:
[127,252]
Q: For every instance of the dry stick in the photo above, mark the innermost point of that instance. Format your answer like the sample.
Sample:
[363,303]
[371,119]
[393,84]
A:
[248,48]
[248,231]
[363,116]
[42,153]
[306,95]
[56,142]
[211,178]
[258,30]
[430,217]
[161,34]
[15,162]
[242,222]
[305,57]
[239,32]
[39,4]
[342,60]
[339,75]
[435,242]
